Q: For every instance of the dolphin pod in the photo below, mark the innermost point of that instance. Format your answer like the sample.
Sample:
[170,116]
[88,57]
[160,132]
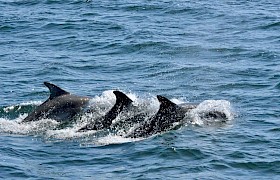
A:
[63,106]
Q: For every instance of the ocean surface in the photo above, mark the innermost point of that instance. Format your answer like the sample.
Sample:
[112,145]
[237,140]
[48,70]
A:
[224,55]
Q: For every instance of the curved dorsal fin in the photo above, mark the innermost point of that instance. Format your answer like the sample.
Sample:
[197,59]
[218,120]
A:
[166,104]
[121,101]
[55,91]
[121,98]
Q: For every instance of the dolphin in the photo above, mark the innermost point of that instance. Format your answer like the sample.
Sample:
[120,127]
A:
[168,114]
[60,106]
[122,101]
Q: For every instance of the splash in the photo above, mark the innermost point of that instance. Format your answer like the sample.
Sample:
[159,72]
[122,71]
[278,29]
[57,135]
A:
[144,108]
[200,115]
[32,128]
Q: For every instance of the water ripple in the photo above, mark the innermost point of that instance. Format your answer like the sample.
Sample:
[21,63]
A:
[190,51]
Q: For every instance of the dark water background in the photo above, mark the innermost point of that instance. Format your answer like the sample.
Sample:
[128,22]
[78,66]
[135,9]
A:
[189,51]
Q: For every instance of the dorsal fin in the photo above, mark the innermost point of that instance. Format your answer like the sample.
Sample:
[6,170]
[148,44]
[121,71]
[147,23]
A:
[121,101]
[166,104]
[121,98]
[55,91]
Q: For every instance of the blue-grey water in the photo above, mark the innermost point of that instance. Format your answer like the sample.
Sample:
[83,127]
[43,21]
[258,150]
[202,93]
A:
[222,54]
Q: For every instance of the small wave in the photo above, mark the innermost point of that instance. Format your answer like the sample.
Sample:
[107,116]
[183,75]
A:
[15,111]
[4,28]
[18,107]
[277,86]
[271,25]
[21,105]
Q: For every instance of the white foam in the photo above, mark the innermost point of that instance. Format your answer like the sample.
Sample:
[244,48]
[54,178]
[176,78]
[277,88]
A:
[36,127]
[178,101]
[68,133]
[195,116]
[114,139]
[31,103]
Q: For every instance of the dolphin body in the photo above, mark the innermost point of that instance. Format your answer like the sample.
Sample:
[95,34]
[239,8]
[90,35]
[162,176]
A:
[168,114]
[60,106]
[122,102]
[166,118]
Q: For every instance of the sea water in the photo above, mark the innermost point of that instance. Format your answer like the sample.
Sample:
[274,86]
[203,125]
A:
[223,55]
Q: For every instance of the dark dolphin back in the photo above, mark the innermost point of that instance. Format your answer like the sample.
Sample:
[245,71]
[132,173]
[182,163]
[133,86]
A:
[163,120]
[43,110]
[122,101]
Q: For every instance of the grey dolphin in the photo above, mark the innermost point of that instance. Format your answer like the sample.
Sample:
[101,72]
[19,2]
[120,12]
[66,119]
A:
[168,114]
[122,101]
[60,106]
